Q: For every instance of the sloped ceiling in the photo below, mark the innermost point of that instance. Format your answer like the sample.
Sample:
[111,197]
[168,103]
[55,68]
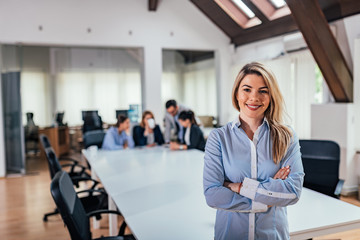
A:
[272,24]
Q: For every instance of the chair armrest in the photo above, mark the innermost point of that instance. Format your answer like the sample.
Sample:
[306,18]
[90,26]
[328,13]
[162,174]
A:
[91,191]
[125,237]
[83,179]
[103,211]
[74,161]
[338,188]
[122,227]
[82,171]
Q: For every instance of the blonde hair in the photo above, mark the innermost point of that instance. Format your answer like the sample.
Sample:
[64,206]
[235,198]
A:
[280,134]
[142,123]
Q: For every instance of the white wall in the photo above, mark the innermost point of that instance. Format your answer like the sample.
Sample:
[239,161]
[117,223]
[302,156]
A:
[177,24]
[336,122]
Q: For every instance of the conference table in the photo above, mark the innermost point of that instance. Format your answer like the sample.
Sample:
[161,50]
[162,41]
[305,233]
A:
[159,192]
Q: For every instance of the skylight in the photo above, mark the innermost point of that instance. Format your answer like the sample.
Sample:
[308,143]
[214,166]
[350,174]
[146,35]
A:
[244,8]
[278,3]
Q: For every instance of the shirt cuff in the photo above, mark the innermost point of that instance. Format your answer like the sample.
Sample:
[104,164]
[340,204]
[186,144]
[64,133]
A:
[259,207]
[249,188]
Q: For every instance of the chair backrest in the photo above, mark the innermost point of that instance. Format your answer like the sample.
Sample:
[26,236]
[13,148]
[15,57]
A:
[70,207]
[44,141]
[95,137]
[321,160]
[53,162]
[92,121]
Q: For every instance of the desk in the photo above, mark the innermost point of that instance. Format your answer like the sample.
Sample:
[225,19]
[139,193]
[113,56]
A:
[59,139]
[160,194]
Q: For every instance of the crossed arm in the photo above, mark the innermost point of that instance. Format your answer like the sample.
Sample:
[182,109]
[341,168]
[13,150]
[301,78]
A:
[281,190]
[281,174]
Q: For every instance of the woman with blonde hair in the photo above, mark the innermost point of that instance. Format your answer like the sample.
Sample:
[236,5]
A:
[253,167]
[148,133]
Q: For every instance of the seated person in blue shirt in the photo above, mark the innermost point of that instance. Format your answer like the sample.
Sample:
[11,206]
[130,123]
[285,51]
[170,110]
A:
[252,167]
[148,133]
[193,137]
[118,137]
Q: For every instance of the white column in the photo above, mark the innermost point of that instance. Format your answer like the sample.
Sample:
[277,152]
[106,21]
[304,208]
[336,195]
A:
[151,82]
[357,93]
[222,67]
[2,143]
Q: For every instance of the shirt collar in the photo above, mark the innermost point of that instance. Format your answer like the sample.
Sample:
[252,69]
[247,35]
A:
[236,122]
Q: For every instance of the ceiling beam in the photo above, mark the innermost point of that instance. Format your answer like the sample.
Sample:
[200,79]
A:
[271,29]
[153,4]
[218,16]
[258,13]
[323,46]
[337,9]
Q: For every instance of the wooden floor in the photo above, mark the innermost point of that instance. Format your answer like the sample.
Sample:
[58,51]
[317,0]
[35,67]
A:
[24,200]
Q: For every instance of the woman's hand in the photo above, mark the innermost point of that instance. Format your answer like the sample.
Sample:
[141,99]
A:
[235,187]
[283,173]
[174,146]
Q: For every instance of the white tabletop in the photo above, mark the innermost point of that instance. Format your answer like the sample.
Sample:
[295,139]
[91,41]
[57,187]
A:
[160,194]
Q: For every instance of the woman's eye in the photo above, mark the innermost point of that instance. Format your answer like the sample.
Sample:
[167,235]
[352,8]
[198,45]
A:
[263,91]
[246,90]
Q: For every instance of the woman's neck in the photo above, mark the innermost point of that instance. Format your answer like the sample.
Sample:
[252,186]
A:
[250,125]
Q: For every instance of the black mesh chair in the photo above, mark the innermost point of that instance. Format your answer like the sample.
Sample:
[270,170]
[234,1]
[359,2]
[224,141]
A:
[72,211]
[45,143]
[321,160]
[94,137]
[92,121]
[92,198]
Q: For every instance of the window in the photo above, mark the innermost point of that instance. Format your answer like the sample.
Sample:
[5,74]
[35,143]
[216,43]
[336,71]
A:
[278,3]
[244,8]
[34,97]
[96,79]
[189,78]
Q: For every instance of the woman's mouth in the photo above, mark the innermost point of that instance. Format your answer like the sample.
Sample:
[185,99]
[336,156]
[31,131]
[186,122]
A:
[253,107]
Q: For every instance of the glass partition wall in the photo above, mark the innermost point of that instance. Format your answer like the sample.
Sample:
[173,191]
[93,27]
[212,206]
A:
[74,79]
[189,77]
[41,82]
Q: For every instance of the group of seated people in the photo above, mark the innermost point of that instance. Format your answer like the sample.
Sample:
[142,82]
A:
[148,133]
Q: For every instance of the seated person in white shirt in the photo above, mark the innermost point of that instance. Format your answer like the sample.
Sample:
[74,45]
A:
[193,137]
[118,137]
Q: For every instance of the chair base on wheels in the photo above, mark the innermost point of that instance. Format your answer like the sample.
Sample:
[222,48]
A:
[46,215]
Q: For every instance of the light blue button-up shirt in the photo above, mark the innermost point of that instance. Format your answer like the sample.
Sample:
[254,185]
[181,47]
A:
[231,156]
[115,141]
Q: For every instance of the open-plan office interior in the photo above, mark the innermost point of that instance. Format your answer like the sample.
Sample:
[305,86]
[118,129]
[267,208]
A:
[63,61]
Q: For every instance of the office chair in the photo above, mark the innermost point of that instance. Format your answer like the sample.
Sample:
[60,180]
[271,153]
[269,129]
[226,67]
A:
[321,161]
[92,121]
[94,199]
[45,143]
[72,211]
[31,134]
[94,137]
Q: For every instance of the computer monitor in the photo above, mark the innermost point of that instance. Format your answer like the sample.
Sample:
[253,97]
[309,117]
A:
[124,112]
[89,113]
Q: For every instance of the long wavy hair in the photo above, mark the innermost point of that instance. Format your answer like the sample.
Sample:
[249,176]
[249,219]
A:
[280,134]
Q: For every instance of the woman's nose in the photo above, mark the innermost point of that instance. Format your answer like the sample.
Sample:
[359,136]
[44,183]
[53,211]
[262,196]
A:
[254,95]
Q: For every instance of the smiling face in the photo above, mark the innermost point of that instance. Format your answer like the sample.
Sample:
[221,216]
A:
[253,97]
